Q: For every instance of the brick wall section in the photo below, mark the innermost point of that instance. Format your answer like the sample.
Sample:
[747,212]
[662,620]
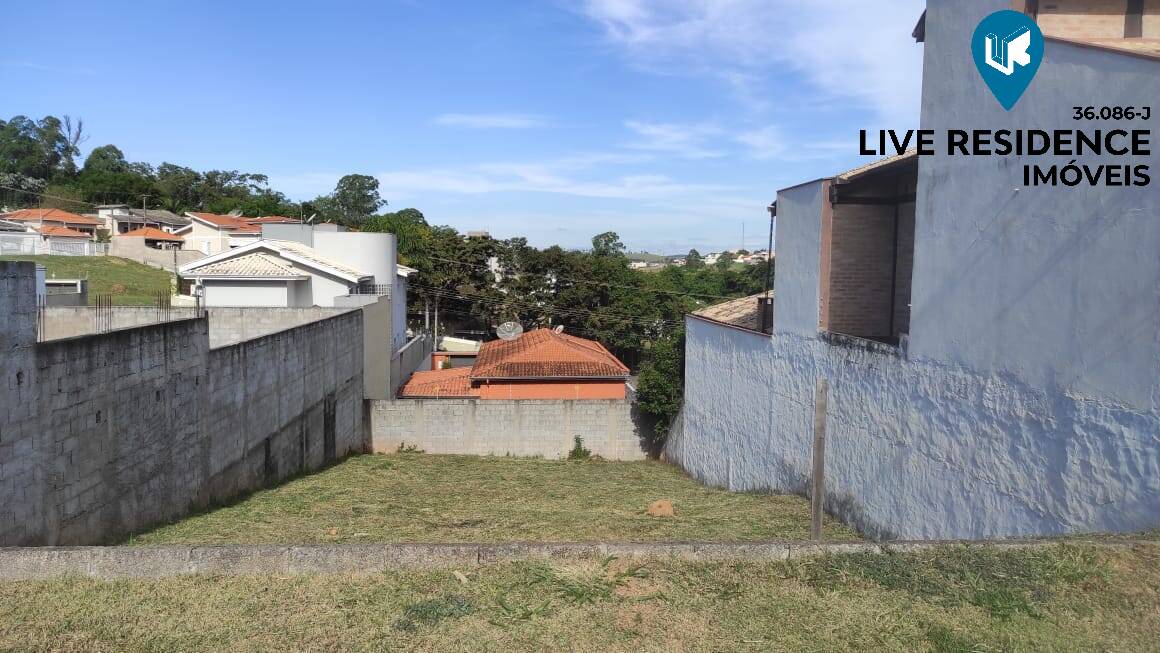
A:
[860,270]
[520,428]
[904,268]
[1083,19]
[105,435]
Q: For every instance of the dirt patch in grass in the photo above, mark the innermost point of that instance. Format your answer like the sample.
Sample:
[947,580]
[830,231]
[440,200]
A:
[1080,598]
[128,282]
[422,498]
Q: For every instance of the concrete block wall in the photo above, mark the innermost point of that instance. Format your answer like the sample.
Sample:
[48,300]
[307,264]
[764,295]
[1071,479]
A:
[496,427]
[108,434]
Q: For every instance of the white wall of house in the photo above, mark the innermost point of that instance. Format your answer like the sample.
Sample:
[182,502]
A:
[399,313]
[229,292]
[205,239]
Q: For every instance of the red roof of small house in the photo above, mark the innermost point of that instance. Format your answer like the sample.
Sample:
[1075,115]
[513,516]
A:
[152,233]
[49,215]
[543,353]
[61,232]
[454,382]
[228,222]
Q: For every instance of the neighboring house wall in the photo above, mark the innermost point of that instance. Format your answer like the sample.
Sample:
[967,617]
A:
[1028,402]
[208,240]
[223,292]
[135,249]
[498,428]
[539,389]
[109,434]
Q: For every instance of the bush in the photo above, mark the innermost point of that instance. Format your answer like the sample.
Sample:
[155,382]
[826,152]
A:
[578,451]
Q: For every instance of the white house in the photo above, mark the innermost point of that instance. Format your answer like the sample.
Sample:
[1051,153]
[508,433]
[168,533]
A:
[273,273]
[121,219]
[211,233]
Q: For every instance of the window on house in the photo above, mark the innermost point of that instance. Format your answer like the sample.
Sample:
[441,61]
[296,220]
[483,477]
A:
[1094,20]
[868,251]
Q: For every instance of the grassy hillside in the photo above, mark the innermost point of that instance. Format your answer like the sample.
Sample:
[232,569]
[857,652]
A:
[130,283]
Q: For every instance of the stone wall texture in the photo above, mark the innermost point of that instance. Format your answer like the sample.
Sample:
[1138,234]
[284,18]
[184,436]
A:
[105,435]
[525,427]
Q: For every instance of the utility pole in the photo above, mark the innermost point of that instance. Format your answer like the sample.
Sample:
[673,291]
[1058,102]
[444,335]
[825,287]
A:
[817,494]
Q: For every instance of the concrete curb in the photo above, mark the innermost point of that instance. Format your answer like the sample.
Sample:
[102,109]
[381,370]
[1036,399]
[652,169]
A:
[113,562]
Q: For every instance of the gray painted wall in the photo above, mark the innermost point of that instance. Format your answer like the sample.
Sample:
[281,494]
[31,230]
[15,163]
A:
[1059,286]
[1028,402]
[915,449]
[495,428]
[104,435]
[227,325]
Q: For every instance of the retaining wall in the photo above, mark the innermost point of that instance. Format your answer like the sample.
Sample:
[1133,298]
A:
[227,325]
[529,427]
[105,435]
[914,448]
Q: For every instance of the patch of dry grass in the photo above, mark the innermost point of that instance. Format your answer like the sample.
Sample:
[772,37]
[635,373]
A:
[1067,597]
[422,498]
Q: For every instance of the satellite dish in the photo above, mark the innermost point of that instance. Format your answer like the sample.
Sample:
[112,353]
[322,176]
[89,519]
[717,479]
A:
[509,330]
[559,329]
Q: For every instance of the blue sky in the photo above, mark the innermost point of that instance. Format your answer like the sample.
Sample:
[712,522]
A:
[671,122]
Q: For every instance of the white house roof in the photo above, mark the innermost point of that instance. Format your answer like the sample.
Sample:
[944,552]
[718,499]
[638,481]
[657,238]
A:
[404,271]
[253,265]
[285,252]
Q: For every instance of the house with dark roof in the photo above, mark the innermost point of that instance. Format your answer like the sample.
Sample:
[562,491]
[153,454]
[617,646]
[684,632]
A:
[539,364]
[119,219]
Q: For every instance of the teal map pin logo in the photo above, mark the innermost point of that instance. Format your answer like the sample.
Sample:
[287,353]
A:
[1007,48]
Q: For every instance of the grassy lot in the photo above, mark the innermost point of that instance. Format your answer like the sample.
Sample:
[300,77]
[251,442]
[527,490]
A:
[1066,598]
[129,282]
[422,498]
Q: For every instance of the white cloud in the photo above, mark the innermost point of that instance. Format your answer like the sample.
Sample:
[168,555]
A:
[847,49]
[685,141]
[491,120]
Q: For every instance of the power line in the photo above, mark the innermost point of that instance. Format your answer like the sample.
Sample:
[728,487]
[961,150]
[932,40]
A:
[594,283]
[545,307]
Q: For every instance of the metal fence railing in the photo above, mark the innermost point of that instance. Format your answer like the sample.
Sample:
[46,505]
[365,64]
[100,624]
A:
[35,244]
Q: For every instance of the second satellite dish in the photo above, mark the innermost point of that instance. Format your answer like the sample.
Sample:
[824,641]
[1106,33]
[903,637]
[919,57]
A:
[509,330]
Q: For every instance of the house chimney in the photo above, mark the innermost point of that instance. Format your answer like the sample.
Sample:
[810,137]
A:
[765,313]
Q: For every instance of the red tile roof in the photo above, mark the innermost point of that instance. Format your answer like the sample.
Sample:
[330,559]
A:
[152,233]
[543,353]
[455,382]
[228,222]
[49,215]
[61,232]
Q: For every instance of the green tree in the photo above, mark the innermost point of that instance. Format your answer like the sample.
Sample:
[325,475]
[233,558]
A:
[660,386]
[693,260]
[355,200]
[607,244]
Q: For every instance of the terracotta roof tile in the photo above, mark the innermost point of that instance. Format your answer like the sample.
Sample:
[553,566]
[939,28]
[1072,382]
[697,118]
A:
[61,232]
[742,312]
[49,215]
[152,233]
[228,222]
[543,353]
[455,382]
